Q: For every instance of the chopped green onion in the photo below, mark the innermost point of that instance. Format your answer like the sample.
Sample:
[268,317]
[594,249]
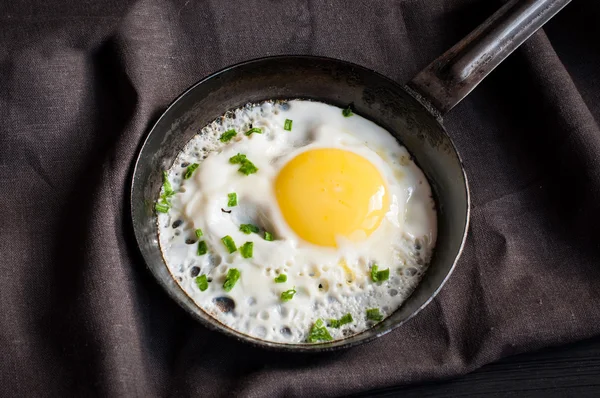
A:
[237,159]
[336,323]
[287,125]
[383,275]
[198,233]
[229,243]
[254,130]
[268,236]
[246,249]
[248,168]
[231,199]
[227,136]
[288,295]
[167,185]
[374,273]
[164,204]
[248,228]
[373,314]
[347,112]
[162,208]
[190,170]
[379,276]
[318,332]
[281,278]
[233,275]
[202,282]
[202,248]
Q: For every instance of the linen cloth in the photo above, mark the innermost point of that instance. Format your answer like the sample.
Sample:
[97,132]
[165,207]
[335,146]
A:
[81,83]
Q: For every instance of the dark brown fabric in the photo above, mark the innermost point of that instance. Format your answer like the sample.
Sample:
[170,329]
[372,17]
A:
[80,84]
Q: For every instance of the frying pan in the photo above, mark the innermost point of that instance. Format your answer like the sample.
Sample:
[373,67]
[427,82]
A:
[412,113]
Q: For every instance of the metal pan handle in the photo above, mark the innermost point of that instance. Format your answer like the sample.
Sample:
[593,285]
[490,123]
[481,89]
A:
[448,79]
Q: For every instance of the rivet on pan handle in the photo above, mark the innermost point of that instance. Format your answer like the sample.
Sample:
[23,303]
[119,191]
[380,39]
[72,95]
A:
[448,79]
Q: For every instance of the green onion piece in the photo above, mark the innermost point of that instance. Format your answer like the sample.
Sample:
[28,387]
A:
[190,170]
[268,236]
[374,273]
[164,204]
[336,323]
[254,130]
[281,278]
[231,199]
[162,208]
[233,275]
[227,136]
[198,233]
[202,282]
[347,112]
[247,168]
[288,295]
[383,275]
[287,125]
[318,332]
[202,248]
[229,243]
[346,319]
[379,276]
[246,249]
[237,159]
[248,228]
[374,315]
[167,185]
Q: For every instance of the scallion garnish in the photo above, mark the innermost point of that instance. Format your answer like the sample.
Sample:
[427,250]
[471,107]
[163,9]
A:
[229,243]
[162,208]
[164,204]
[190,170]
[249,228]
[336,323]
[247,249]
[318,332]
[237,159]
[287,125]
[268,236]
[288,295]
[373,314]
[379,276]
[202,282]
[167,185]
[347,112]
[233,275]
[228,135]
[202,248]
[254,130]
[246,166]
[281,278]
[231,199]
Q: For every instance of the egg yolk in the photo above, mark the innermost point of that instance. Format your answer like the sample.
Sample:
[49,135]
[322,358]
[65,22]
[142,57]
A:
[325,193]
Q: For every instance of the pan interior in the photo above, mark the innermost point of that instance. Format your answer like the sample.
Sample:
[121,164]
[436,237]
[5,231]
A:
[331,81]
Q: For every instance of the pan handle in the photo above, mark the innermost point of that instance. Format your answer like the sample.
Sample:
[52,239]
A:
[448,79]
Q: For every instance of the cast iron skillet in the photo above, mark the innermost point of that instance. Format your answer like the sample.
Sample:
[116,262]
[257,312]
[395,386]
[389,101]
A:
[413,114]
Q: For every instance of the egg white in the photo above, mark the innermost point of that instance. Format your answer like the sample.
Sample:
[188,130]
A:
[329,282]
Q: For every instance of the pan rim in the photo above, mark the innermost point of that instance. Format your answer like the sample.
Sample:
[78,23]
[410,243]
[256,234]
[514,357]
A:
[213,324]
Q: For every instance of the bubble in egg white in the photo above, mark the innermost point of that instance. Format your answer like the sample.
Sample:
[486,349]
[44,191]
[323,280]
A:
[323,289]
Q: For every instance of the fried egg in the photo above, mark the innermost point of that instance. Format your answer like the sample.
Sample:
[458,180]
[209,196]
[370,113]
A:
[286,219]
